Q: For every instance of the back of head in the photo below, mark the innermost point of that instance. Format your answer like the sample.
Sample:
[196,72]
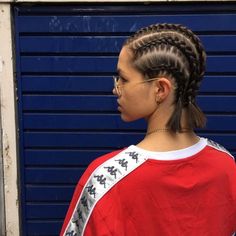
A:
[174,51]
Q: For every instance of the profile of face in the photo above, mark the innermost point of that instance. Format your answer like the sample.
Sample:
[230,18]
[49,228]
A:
[139,97]
[161,64]
[135,98]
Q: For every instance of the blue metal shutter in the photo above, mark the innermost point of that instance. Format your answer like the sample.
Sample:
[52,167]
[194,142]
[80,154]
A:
[65,58]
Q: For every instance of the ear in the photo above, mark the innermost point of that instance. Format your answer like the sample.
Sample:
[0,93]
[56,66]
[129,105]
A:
[163,87]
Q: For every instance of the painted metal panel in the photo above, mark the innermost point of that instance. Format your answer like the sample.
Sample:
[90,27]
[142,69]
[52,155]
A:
[103,44]
[73,84]
[102,64]
[66,56]
[99,122]
[56,157]
[124,24]
[88,103]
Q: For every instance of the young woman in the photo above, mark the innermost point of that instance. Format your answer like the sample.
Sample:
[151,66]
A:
[172,182]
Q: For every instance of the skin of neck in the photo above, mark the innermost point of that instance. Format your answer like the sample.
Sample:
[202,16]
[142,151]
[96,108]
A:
[166,140]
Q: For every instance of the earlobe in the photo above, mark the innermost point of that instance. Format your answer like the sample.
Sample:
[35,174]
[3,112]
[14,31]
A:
[158,100]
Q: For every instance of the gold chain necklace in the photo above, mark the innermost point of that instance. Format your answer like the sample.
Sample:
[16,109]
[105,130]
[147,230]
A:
[183,130]
[158,130]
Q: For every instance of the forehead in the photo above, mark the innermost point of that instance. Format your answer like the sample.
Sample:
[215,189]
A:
[125,62]
[125,56]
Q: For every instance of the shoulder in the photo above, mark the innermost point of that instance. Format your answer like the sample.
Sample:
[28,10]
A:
[101,175]
[95,164]
[220,150]
[219,158]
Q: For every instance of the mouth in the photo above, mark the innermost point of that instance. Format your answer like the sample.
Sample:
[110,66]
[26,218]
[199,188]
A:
[119,106]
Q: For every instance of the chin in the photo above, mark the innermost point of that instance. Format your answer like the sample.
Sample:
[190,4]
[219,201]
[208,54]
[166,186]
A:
[127,118]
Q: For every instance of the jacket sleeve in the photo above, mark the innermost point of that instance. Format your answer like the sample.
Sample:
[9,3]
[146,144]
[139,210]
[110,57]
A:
[79,188]
[72,206]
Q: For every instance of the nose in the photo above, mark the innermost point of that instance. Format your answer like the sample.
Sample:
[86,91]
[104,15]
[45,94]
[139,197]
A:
[114,91]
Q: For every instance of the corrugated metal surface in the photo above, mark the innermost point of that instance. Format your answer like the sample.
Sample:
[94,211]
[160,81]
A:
[66,56]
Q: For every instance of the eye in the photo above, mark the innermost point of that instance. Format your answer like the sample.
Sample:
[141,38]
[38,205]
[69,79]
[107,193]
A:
[122,80]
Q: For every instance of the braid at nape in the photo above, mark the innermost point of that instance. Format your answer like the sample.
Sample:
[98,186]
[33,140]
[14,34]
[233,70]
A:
[193,87]
[196,118]
[174,122]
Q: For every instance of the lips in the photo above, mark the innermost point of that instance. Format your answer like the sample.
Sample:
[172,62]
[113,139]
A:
[119,106]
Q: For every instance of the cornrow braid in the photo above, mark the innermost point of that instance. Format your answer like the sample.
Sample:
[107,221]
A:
[155,28]
[175,51]
[181,46]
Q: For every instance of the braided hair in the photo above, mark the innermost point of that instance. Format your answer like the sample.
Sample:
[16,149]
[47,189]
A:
[175,51]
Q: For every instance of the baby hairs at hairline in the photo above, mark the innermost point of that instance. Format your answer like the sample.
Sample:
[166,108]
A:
[175,51]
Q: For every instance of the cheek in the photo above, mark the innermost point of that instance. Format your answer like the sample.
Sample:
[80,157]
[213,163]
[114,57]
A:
[137,107]
[146,108]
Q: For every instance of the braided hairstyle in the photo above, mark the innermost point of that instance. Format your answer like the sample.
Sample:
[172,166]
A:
[174,51]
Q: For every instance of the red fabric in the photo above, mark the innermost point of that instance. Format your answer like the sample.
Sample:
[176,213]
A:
[82,183]
[192,196]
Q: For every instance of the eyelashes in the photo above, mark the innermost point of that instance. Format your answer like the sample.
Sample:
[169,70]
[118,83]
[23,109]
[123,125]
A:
[122,79]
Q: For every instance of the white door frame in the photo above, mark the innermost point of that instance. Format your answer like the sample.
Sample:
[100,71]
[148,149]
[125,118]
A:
[8,123]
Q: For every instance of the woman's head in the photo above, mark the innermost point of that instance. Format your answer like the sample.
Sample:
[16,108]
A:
[174,52]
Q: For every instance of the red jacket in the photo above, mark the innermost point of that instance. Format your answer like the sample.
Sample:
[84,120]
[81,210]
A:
[186,192]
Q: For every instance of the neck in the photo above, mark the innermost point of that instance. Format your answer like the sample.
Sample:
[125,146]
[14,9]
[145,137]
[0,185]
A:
[168,141]
[157,121]
[159,118]
[161,138]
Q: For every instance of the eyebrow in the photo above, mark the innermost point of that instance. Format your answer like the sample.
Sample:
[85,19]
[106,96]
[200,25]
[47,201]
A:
[119,71]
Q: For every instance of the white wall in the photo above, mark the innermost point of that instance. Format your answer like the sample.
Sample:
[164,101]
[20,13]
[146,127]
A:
[8,113]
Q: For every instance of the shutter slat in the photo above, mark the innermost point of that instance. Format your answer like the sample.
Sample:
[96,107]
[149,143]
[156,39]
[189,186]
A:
[52,157]
[54,211]
[65,158]
[101,139]
[44,227]
[68,64]
[53,175]
[109,121]
[126,23]
[51,193]
[108,44]
[77,84]
[104,64]
[213,103]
